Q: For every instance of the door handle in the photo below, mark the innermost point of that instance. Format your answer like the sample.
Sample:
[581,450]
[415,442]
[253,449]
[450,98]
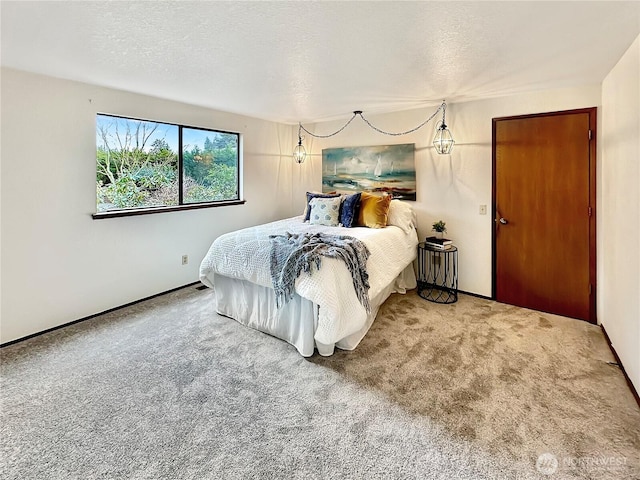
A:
[500,220]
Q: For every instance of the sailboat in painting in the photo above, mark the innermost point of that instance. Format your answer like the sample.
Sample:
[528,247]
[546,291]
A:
[378,170]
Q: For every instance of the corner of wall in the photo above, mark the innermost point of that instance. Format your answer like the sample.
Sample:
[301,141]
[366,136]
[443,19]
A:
[619,215]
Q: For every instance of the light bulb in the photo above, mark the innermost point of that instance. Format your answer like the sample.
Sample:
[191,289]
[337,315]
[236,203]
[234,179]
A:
[299,153]
[443,141]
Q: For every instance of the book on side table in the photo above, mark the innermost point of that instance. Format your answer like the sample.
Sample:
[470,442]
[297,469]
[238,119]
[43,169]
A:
[439,243]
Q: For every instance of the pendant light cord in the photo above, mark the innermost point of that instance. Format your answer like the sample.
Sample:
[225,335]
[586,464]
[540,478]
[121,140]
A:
[331,134]
[442,107]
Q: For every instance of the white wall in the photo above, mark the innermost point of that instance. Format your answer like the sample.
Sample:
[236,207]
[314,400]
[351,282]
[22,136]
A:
[619,219]
[58,264]
[449,187]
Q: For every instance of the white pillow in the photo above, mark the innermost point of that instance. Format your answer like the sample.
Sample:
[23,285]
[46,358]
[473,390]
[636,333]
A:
[311,195]
[401,215]
[324,211]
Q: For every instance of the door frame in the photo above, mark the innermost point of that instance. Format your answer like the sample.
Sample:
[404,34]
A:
[592,111]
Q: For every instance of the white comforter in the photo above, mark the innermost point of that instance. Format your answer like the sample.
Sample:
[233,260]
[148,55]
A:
[244,254]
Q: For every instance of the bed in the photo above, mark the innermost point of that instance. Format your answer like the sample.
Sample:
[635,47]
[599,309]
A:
[324,312]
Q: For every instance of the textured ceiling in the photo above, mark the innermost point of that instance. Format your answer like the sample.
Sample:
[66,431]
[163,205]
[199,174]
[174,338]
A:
[311,61]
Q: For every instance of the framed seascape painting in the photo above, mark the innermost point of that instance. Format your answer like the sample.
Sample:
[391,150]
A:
[382,168]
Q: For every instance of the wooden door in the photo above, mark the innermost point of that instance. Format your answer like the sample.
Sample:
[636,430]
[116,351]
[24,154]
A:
[544,211]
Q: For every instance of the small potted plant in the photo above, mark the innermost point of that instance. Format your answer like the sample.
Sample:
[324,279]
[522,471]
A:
[439,227]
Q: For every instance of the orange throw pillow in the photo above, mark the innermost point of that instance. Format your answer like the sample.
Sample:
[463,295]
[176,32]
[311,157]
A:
[374,210]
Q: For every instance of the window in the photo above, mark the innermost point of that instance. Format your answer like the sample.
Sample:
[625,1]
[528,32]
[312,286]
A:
[144,166]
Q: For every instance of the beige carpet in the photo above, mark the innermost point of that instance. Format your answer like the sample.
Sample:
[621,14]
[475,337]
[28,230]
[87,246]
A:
[168,389]
[507,379]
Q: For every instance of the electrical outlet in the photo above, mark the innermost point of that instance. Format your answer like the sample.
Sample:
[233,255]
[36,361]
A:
[185,259]
[483,210]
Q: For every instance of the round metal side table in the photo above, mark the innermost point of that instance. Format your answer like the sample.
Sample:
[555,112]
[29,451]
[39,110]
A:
[438,273]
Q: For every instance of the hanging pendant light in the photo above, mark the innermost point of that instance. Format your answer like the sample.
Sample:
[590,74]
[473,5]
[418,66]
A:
[299,153]
[443,141]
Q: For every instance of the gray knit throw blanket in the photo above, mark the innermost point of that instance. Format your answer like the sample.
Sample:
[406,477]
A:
[292,254]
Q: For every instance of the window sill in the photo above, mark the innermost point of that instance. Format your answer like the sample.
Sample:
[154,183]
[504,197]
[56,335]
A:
[148,211]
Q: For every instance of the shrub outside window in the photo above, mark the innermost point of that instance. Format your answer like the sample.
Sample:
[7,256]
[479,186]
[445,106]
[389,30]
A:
[142,164]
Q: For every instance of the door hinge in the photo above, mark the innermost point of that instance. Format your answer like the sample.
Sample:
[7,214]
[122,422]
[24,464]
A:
[590,211]
[589,134]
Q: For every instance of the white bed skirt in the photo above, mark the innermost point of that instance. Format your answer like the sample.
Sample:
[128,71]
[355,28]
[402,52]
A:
[255,306]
